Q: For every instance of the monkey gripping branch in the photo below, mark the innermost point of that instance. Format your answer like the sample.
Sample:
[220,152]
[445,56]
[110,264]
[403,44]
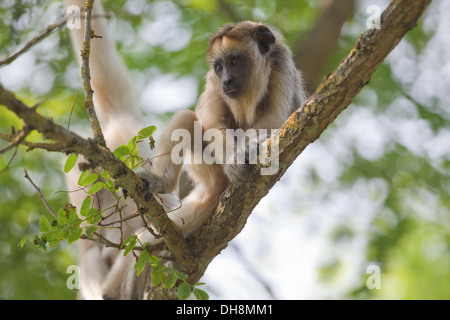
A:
[333,95]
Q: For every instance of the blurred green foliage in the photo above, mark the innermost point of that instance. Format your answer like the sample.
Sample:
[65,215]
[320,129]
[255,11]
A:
[409,236]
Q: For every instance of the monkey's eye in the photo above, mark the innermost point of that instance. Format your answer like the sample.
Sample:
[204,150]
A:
[236,62]
[218,68]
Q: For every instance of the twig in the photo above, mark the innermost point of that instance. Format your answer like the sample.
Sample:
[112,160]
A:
[254,272]
[86,75]
[9,162]
[15,139]
[107,243]
[228,9]
[71,110]
[35,40]
[13,56]
[50,147]
[40,194]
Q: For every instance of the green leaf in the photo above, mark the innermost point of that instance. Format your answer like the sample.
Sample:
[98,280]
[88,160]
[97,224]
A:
[180,275]
[200,294]
[184,291]
[146,132]
[140,264]
[158,275]
[96,187]
[130,243]
[75,234]
[22,242]
[71,213]
[170,281]
[154,261]
[53,238]
[82,176]
[61,217]
[128,240]
[38,241]
[86,206]
[93,216]
[88,180]
[105,174]
[132,145]
[122,151]
[70,162]
[44,225]
[89,231]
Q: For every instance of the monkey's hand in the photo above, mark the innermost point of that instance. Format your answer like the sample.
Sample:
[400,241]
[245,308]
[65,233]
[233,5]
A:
[235,168]
[164,182]
[235,172]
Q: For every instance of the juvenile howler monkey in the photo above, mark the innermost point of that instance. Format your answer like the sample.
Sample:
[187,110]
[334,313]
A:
[252,83]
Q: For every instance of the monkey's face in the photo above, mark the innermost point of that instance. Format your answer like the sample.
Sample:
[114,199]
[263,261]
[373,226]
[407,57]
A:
[233,71]
[238,56]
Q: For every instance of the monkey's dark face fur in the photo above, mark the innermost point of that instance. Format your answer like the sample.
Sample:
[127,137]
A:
[233,70]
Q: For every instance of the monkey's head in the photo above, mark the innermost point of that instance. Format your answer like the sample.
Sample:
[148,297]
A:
[238,57]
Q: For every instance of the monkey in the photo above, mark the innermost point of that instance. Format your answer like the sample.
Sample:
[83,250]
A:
[252,83]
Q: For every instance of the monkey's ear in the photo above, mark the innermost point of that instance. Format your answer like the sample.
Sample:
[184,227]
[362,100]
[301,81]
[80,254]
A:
[264,37]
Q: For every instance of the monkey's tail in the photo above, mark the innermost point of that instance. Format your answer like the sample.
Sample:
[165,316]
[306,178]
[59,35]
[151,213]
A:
[114,103]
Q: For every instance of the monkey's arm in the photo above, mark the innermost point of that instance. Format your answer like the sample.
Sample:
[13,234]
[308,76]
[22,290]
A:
[163,174]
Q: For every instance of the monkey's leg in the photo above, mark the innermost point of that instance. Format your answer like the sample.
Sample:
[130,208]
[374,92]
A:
[198,205]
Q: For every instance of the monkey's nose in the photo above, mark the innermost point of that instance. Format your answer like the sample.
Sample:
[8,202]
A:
[227,82]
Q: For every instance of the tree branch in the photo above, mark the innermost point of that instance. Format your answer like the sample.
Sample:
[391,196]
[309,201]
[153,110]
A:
[35,40]
[16,139]
[102,157]
[312,52]
[40,194]
[86,75]
[225,7]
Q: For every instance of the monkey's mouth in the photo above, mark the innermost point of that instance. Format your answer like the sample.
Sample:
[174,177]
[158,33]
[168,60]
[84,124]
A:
[232,92]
